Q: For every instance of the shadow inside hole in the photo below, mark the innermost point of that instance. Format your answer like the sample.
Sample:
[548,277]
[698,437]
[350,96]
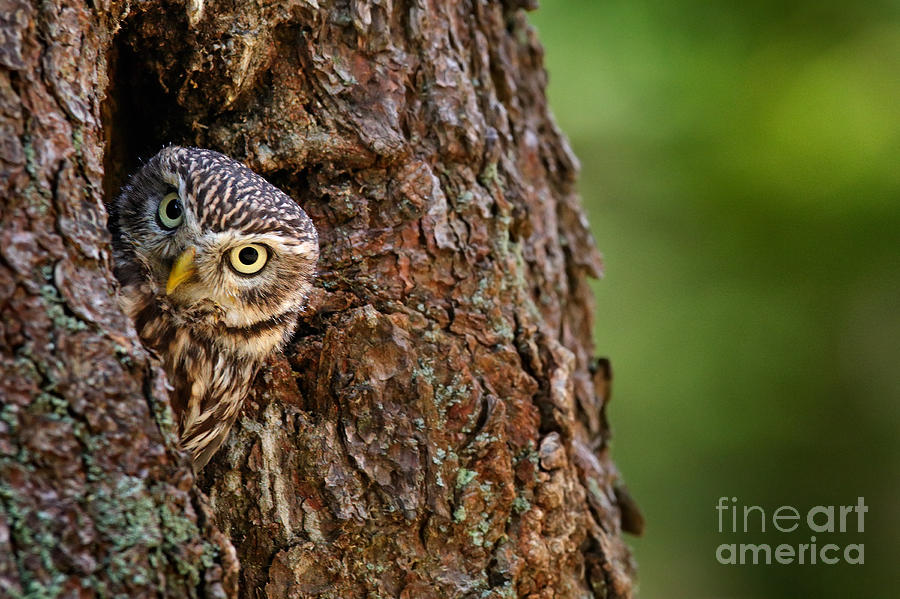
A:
[139,115]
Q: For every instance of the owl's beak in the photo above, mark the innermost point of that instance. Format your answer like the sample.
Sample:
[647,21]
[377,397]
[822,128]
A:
[181,270]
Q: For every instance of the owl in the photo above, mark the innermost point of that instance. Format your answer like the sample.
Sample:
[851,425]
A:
[214,265]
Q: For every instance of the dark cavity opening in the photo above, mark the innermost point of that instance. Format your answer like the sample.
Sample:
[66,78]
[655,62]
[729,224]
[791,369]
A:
[140,116]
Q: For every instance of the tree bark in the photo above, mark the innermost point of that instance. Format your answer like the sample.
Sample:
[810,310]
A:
[436,428]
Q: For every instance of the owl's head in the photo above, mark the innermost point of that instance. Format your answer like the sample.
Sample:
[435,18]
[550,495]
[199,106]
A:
[205,230]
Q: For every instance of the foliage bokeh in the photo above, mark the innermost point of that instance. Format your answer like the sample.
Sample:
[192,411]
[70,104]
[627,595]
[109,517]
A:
[740,170]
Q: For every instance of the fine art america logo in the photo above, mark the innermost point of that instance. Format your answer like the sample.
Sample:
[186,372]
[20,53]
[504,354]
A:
[736,519]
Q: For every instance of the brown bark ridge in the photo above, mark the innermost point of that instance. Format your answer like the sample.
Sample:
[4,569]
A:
[437,427]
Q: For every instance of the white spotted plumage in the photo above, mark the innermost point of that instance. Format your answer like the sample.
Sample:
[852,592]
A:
[211,325]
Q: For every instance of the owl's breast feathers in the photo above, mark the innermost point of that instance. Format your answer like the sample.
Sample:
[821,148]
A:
[210,366]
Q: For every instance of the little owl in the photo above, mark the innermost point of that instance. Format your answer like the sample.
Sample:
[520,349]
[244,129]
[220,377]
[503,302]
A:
[215,264]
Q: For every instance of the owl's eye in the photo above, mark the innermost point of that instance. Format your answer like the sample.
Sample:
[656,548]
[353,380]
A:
[170,213]
[249,259]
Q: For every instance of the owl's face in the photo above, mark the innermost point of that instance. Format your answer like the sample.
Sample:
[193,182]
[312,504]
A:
[209,231]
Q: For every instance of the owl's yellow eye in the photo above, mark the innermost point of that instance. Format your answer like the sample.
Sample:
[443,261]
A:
[170,213]
[249,259]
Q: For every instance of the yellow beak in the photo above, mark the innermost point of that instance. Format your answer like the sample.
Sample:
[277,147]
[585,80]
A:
[181,270]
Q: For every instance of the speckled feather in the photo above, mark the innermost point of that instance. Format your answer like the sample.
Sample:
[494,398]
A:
[230,196]
[214,331]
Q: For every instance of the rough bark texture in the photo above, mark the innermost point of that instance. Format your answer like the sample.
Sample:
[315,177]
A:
[435,430]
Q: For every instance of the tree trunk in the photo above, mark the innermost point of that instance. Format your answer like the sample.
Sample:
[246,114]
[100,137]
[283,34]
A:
[436,429]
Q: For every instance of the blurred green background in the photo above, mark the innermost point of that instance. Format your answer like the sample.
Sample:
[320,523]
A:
[741,171]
